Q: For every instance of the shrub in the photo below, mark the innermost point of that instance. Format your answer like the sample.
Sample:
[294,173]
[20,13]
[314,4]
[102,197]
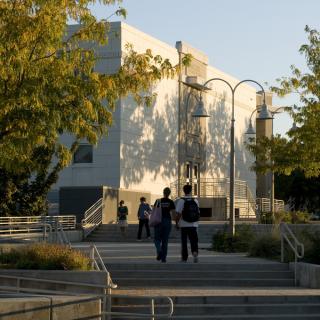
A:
[295,217]
[266,246]
[223,241]
[45,257]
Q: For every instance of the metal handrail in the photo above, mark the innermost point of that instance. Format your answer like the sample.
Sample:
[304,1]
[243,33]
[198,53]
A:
[152,313]
[284,231]
[68,222]
[61,236]
[92,217]
[40,227]
[107,295]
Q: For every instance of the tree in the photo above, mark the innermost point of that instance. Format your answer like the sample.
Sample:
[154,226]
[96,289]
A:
[301,149]
[299,192]
[48,87]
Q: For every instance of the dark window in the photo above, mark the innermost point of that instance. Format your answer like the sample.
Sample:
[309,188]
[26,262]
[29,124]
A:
[83,154]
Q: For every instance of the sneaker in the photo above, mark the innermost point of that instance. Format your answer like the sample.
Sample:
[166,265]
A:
[195,258]
[148,238]
[139,240]
[158,256]
[163,261]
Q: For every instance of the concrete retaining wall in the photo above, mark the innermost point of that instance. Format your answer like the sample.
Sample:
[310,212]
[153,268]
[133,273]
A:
[74,235]
[63,307]
[87,277]
[308,275]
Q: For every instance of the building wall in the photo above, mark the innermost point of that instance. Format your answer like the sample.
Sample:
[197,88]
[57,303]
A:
[141,151]
[149,144]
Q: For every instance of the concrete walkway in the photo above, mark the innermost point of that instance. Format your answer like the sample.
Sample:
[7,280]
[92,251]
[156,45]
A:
[144,252]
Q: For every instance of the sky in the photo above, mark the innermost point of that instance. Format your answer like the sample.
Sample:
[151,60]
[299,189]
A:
[252,39]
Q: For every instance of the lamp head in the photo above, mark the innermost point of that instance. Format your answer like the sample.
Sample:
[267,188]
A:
[200,110]
[250,130]
[264,113]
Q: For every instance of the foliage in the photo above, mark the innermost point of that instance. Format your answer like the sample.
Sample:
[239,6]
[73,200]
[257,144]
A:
[300,192]
[266,246]
[294,217]
[311,243]
[49,87]
[269,246]
[301,149]
[223,241]
[44,257]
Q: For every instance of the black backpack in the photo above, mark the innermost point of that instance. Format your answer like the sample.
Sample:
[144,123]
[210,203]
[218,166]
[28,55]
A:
[190,212]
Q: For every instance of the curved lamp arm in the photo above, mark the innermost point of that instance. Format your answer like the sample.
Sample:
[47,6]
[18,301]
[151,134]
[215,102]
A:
[237,85]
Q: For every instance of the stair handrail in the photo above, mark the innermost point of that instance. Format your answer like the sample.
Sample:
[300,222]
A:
[61,236]
[152,315]
[92,217]
[284,231]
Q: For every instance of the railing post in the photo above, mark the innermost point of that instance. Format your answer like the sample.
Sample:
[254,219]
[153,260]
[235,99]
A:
[152,309]
[282,246]
[108,302]
[295,264]
[91,256]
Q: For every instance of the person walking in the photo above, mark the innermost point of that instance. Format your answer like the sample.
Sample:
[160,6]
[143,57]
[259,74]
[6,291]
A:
[162,230]
[187,217]
[122,218]
[143,216]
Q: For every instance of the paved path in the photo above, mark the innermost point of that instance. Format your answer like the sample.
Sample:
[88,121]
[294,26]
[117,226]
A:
[144,252]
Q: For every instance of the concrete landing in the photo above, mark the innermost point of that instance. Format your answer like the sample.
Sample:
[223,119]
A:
[144,252]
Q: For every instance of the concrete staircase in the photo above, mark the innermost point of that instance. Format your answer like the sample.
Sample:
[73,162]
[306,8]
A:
[111,233]
[220,286]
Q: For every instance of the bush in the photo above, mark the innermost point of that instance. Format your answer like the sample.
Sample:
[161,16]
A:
[266,246]
[295,217]
[44,257]
[223,241]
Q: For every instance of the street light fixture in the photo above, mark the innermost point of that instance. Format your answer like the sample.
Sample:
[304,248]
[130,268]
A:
[201,112]
[265,114]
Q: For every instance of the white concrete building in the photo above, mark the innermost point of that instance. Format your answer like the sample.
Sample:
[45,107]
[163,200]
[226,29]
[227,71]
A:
[148,149]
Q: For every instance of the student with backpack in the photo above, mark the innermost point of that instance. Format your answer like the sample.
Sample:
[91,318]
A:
[188,214]
[143,216]
[162,230]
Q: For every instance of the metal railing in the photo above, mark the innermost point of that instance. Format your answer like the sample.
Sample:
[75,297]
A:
[264,205]
[61,236]
[106,313]
[294,244]
[152,314]
[41,231]
[67,222]
[220,188]
[92,217]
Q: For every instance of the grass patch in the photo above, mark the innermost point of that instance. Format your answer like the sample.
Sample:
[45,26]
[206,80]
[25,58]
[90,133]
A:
[44,257]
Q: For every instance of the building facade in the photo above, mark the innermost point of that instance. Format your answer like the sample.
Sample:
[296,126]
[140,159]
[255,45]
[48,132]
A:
[149,148]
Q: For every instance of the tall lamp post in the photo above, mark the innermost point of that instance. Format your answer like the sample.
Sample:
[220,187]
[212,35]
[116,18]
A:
[266,115]
[201,112]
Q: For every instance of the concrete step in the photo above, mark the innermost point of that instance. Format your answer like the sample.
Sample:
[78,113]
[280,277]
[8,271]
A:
[237,317]
[133,267]
[205,274]
[257,297]
[226,309]
[201,282]
[226,304]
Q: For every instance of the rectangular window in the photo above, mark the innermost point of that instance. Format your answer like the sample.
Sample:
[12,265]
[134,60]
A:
[83,154]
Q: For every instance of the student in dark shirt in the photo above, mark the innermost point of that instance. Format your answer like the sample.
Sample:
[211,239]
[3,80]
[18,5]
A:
[162,230]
